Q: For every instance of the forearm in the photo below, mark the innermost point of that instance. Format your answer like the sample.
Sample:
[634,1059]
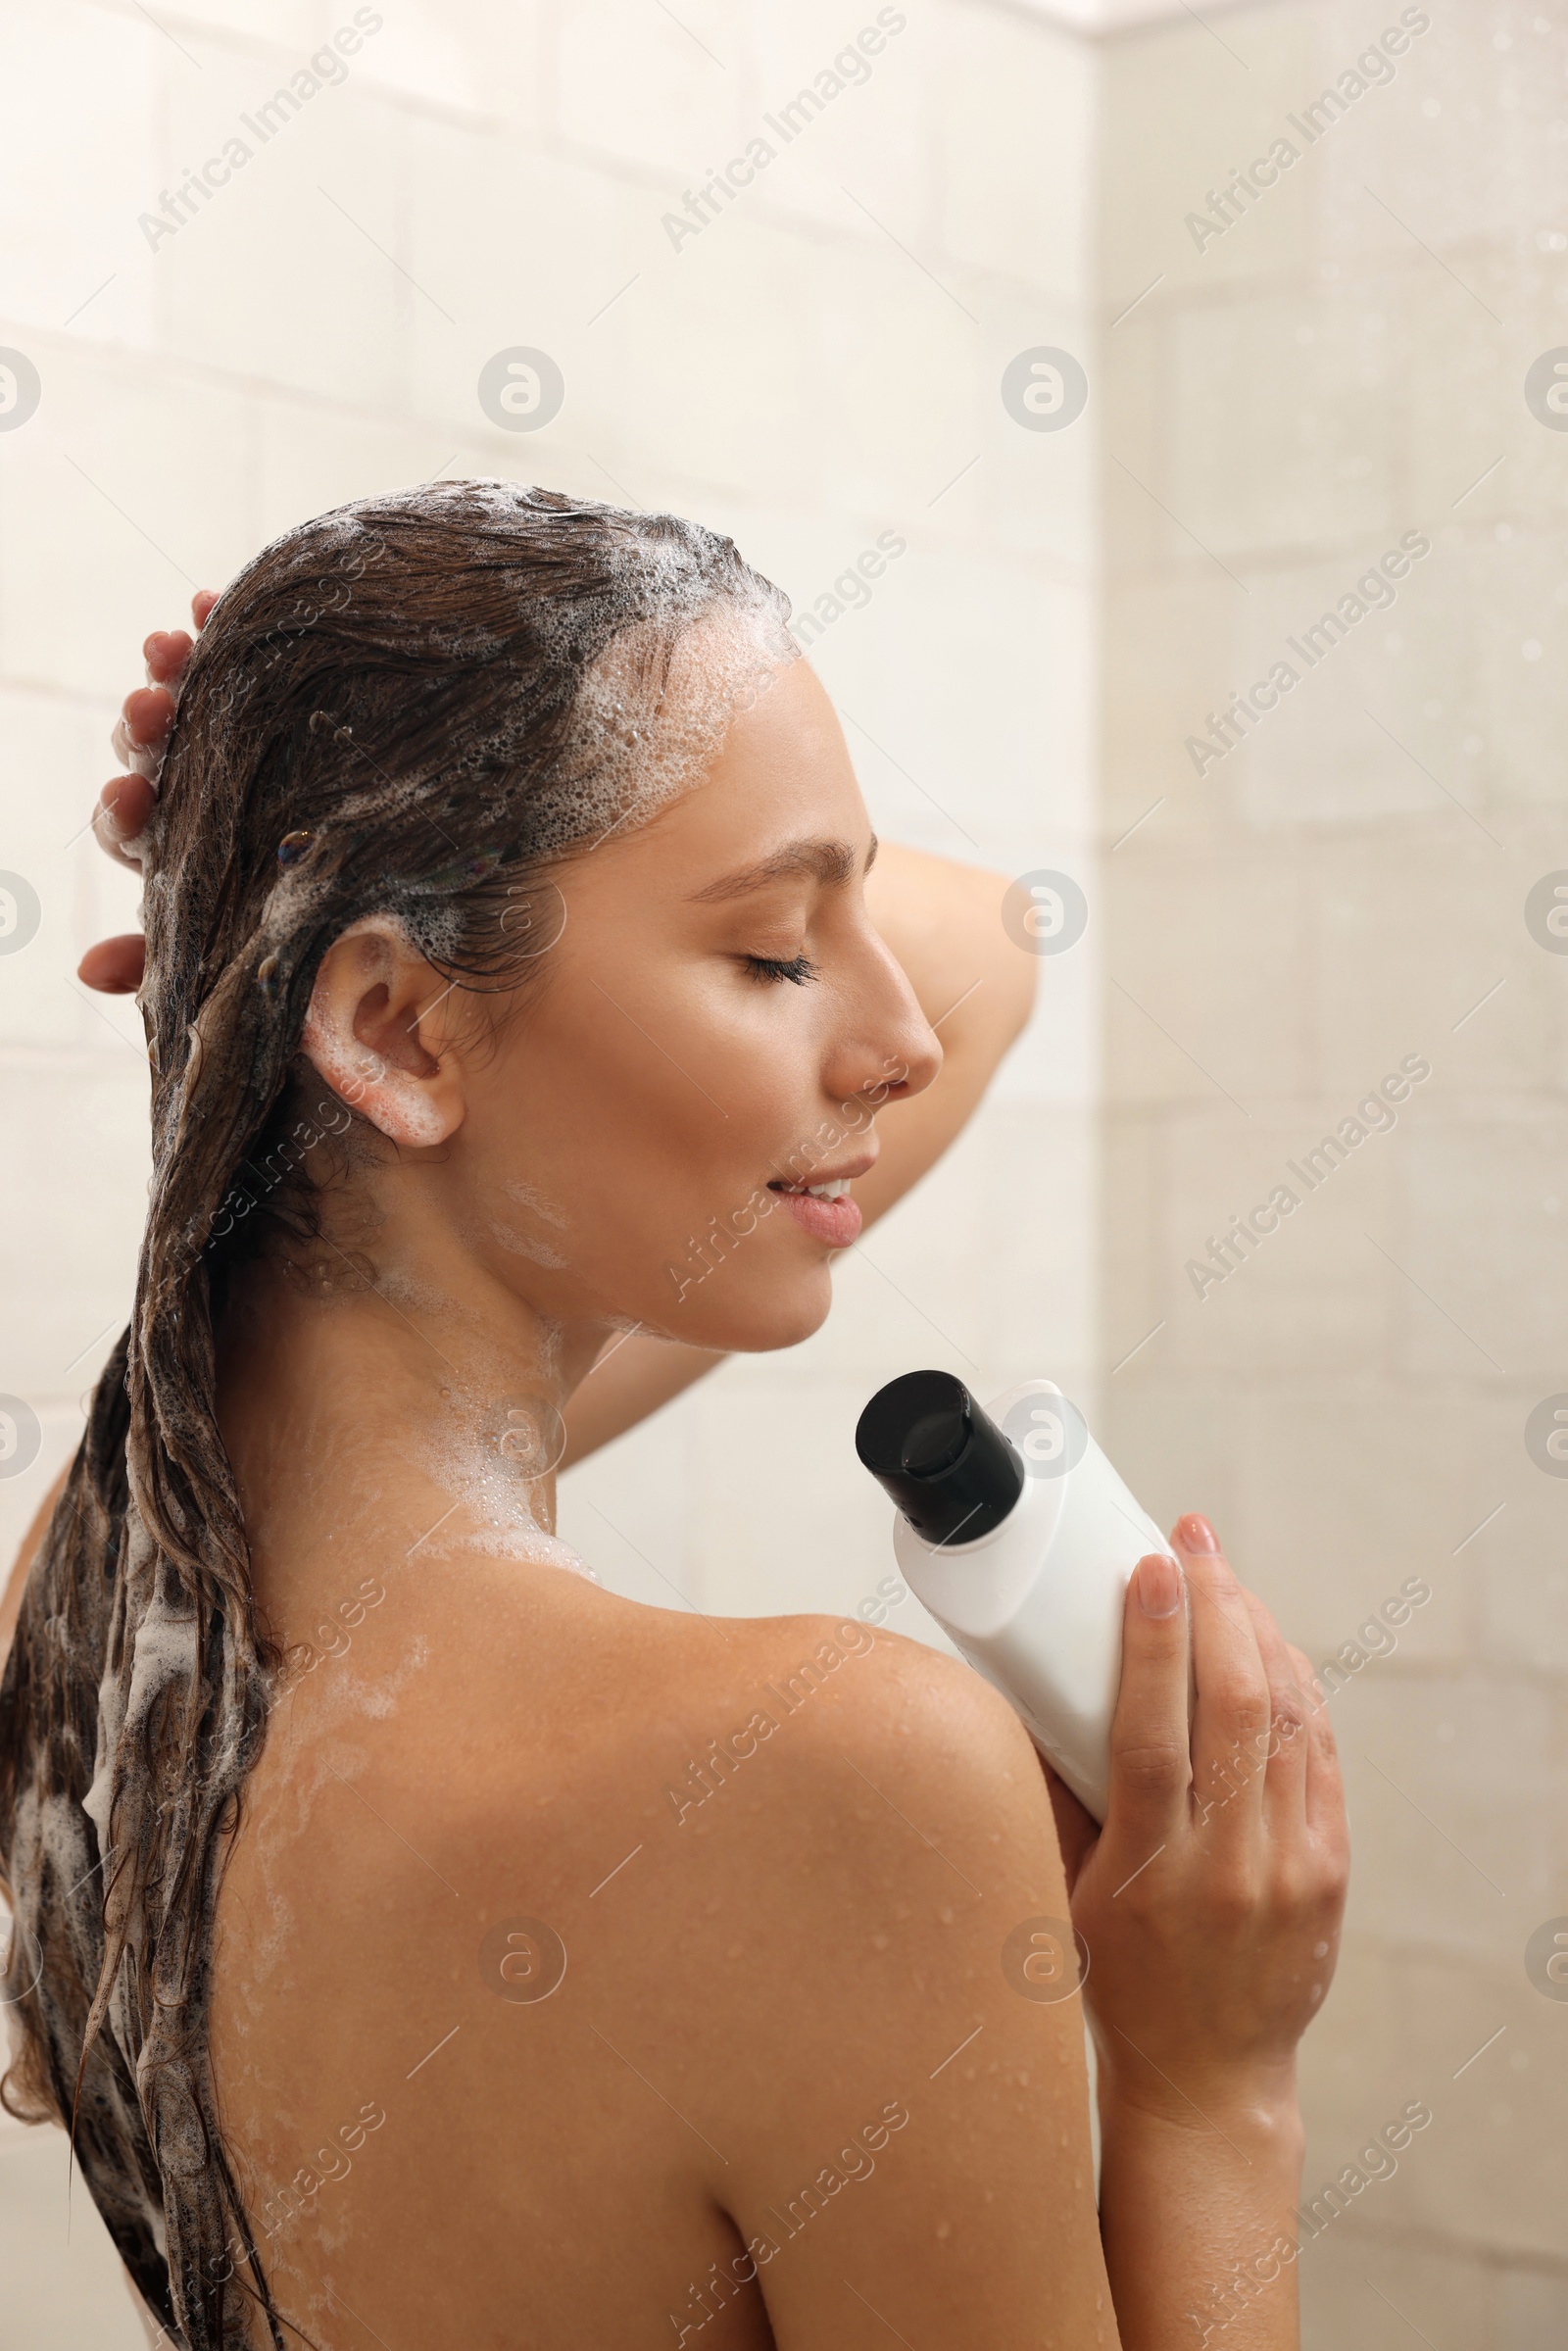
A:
[1199,2219]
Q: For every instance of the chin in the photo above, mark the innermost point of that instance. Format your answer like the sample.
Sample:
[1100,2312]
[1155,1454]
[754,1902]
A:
[751,1322]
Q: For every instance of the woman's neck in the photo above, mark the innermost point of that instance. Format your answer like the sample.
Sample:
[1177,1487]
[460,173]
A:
[372,1411]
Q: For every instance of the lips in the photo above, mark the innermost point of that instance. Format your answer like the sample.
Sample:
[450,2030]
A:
[824,1210]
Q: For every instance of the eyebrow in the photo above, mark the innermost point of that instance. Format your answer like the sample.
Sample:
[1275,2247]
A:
[831,862]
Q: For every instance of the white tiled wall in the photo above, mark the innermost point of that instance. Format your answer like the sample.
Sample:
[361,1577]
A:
[1343,889]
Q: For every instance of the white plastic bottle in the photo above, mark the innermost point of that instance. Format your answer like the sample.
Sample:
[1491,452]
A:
[1017,1535]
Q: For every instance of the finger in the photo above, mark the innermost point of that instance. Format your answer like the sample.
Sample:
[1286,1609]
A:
[1151,1762]
[1325,1789]
[146,716]
[201,603]
[124,805]
[1230,1717]
[1284,1766]
[115,966]
[166,652]
[1076,1828]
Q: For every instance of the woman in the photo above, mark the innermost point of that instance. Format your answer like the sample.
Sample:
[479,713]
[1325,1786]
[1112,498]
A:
[514,1963]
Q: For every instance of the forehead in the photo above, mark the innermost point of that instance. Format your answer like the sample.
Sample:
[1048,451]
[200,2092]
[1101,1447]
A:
[781,772]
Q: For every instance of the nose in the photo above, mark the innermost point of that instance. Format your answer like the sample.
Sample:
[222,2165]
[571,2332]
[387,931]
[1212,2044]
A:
[889,1052]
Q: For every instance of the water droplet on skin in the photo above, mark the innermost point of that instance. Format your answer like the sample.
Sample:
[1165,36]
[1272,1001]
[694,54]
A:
[1320,1950]
[293,847]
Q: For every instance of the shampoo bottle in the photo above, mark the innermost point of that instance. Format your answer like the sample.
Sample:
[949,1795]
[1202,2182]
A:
[1018,1537]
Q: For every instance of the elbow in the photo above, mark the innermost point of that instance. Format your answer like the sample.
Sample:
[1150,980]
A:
[1019,981]
[1013,975]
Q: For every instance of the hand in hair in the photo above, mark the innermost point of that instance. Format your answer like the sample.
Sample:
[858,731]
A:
[114,966]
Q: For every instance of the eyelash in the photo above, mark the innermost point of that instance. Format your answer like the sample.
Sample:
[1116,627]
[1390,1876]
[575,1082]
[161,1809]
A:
[767,968]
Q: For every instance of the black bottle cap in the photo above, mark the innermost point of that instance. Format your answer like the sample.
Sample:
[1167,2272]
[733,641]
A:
[943,1459]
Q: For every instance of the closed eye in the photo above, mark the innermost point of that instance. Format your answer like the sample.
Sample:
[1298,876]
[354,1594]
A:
[798,969]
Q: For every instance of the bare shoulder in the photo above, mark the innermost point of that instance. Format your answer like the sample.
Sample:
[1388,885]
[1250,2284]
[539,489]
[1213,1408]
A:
[796,1716]
[796,1784]
[531,1713]
[858,1706]
[779,1763]
[854,1858]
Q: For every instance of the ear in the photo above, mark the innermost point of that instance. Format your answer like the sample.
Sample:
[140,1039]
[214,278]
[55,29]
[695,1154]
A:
[373,1034]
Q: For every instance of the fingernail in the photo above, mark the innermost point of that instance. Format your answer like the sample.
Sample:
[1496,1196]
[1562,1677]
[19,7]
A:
[1159,1586]
[1194,1533]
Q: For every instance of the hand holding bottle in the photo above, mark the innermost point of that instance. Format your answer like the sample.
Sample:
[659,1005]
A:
[1211,1899]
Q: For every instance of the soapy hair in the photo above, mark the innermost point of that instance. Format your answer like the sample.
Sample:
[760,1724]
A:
[411,707]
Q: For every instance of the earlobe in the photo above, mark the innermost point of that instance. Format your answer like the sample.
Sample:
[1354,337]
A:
[360,1034]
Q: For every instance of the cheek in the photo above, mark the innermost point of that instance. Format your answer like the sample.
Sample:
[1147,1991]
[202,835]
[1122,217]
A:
[634,1115]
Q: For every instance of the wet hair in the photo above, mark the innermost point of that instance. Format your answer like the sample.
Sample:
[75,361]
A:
[411,707]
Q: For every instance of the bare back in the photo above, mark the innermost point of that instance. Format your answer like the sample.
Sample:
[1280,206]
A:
[588,1973]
